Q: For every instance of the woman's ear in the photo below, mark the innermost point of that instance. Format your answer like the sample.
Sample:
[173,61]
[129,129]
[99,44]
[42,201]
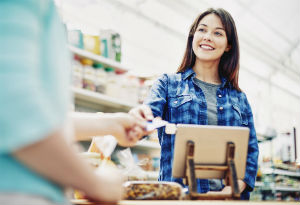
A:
[228,48]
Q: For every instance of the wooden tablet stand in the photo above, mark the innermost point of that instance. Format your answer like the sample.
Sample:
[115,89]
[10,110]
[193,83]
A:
[228,168]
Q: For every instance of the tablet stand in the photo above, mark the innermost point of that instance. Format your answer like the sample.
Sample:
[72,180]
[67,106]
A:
[228,168]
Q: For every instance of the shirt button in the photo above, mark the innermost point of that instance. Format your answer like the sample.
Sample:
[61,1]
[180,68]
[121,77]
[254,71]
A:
[175,102]
[219,96]
[221,108]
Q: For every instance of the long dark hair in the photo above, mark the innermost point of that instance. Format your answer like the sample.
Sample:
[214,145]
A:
[229,63]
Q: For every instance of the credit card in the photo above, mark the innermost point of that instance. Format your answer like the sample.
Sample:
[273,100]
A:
[156,123]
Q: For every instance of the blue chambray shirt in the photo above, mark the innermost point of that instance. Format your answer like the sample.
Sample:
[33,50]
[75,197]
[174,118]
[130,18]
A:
[177,99]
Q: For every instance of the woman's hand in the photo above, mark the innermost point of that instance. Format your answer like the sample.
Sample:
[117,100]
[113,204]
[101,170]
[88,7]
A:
[227,189]
[127,129]
[142,112]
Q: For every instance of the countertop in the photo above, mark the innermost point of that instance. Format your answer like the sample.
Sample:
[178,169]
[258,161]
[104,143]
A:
[185,202]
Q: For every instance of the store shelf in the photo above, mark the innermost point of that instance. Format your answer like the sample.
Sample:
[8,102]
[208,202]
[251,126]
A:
[280,172]
[100,59]
[288,189]
[101,99]
[259,184]
[280,188]
[146,144]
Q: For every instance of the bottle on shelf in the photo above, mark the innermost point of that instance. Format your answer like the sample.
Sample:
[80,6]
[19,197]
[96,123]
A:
[100,78]
[77,73]
[88,74]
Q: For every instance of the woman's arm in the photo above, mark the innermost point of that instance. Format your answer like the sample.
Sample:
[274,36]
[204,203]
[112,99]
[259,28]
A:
[252,157]
[155,102]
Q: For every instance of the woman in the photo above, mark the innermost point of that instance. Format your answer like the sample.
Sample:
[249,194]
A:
[204,91]
[36,162]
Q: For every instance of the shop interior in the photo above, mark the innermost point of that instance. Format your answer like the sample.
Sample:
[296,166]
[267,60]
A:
[119,48]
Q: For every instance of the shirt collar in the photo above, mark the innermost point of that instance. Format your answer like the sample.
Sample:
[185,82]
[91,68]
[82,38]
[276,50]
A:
[190,72]
[187,73]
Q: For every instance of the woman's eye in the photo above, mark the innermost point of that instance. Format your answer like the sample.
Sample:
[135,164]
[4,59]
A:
[201,29]
[218,34]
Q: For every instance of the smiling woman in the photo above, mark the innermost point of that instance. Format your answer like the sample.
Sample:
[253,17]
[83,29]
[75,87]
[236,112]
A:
[205,91]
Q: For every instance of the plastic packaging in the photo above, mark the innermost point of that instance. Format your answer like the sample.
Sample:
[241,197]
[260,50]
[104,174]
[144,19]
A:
[152,190]
[131,170]
[94,159]
[98,156]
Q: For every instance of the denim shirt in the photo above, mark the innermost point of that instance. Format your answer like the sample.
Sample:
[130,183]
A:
[177,99]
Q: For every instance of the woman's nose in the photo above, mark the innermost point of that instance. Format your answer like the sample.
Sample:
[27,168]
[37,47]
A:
[207,36]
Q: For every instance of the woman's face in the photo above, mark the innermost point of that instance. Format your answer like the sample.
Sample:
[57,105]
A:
[210,39]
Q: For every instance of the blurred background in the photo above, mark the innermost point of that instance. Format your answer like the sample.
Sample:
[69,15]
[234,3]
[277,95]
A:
[121,47]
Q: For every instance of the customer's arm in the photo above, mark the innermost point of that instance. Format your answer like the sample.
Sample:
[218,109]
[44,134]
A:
[55,160]
[123,126]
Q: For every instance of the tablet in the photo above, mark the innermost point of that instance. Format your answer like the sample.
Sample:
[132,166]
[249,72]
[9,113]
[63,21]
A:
[210,149]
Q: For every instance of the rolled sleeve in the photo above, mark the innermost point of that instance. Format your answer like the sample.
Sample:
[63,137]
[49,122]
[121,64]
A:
[158,95]
[252,157]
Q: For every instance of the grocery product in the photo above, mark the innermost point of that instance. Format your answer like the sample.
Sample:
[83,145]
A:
[152,190]
[94,159]
[130,169]
[105,42]
[112,83]
[75,38]
[92,43]
[100,78]
[111,44]
[88,74]
[98,156]
[116,47]
[77,74]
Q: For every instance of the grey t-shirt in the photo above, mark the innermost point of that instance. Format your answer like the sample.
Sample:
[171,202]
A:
[210,93]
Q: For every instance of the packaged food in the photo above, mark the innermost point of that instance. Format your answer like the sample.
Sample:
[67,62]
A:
[77,73]
[130,169]
[92,43]
[116,47]
[94,159]
[152,190]
[88,74]
[111,44]
[98,156]
[100,78]
[75,37]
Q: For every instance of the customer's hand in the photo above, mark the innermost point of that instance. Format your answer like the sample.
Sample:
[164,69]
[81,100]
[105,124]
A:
[108,186]
[142,112]
[127,129]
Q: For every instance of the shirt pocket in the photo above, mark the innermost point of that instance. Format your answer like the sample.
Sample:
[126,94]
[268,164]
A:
[179,108]
[240,118]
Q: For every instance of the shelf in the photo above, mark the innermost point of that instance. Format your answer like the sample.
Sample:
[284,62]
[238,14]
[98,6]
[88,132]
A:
[101,99]
[280,172]
[146,144]
[289,189]
[100,59]
[280,188]
[259,184]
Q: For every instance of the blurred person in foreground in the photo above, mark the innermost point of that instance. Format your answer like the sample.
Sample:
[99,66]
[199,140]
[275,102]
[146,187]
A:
[204,91]
[36,161]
